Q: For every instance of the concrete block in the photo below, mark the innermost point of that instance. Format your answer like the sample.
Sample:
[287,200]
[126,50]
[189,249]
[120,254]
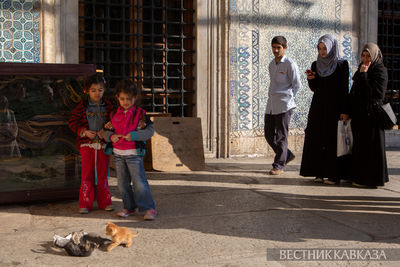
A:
[177,144]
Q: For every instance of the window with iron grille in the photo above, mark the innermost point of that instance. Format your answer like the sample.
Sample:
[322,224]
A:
[148,41]
[389,43]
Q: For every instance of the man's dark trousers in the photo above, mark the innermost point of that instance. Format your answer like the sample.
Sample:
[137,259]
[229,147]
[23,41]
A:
[276,132]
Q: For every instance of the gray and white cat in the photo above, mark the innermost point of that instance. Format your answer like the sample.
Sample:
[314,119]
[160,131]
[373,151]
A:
[80,243]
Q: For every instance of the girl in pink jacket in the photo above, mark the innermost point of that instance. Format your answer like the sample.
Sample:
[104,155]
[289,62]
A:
[130,132]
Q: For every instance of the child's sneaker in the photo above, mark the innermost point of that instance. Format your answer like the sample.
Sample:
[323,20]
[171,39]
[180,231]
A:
[125,213]
[150,215]
[83,211]
[109,208]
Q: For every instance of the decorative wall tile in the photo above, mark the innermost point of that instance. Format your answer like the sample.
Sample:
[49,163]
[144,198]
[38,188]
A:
[244,88]
[253,24]
[256,80]
[19,35]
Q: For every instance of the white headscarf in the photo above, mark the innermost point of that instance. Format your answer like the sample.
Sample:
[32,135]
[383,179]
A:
[373,51]
[326,66]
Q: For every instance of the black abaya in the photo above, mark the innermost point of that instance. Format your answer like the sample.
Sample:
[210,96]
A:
[330,99]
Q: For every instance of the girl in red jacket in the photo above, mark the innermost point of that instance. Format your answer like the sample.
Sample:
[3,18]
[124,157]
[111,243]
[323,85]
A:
[87,121]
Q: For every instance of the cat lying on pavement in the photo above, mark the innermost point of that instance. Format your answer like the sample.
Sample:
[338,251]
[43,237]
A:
[80,243]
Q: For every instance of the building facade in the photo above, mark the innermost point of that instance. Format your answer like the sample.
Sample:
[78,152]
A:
[204,59]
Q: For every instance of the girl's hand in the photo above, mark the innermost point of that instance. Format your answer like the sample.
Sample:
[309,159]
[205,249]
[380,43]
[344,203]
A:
[100,134]
[108,125]
[127,137]
[310,74]
[344,117]
[90,134]
[364,67]
[115,137]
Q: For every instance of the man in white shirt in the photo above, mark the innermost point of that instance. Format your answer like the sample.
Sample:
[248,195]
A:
[285,82]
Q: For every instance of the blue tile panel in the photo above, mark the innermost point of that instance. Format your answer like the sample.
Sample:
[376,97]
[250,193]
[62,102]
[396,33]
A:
[19,31]
[253,24]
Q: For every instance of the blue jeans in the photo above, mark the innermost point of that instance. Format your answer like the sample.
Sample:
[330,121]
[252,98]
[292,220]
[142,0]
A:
[132,183]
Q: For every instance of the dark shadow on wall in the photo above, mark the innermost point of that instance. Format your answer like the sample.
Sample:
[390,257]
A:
[299,22]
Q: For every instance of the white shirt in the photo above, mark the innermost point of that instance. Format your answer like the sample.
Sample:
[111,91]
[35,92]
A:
[285,82]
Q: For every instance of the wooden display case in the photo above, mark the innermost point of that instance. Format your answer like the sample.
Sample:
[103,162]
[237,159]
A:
[39,158]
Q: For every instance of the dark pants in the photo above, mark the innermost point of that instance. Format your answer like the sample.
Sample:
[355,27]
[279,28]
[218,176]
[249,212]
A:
[276,131]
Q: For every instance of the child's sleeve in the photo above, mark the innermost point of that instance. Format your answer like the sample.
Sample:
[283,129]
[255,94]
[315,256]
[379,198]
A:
[107,135]
[143,134]
[75,121]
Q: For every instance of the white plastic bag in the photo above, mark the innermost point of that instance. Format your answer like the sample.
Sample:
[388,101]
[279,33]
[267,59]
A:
[344,138]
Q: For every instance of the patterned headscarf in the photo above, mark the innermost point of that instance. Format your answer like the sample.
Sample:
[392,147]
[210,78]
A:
[373,51]
[326,66]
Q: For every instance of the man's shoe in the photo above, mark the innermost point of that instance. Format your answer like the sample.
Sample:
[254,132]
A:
[275,171]
[83,211]
[292,157]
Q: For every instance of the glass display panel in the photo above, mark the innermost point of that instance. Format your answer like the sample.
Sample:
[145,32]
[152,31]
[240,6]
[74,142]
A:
[37,148]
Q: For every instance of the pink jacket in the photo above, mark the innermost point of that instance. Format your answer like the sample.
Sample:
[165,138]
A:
[124,123]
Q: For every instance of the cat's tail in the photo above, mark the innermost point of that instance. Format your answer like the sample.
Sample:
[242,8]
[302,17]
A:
[135,234]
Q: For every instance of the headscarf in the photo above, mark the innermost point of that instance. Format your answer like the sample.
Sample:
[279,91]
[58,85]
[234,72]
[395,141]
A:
[326,66]
[374,52]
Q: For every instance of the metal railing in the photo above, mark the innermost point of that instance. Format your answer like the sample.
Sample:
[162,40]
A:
[149,41]
[389,43]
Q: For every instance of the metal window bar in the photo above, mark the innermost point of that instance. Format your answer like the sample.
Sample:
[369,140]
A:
[149,41]
[389,42]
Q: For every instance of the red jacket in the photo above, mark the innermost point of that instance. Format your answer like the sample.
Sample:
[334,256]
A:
[78,120]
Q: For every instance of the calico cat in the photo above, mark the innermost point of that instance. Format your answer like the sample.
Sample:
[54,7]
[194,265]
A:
[80,243]
[120,235]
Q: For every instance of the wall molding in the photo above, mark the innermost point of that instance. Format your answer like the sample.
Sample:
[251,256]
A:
[60,31]
[212,75]
[368,17]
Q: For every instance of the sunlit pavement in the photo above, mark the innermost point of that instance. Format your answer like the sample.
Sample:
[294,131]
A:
[227,215]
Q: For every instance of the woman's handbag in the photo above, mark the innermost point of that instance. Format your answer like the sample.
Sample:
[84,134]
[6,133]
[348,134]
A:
[344,138]
[385,116]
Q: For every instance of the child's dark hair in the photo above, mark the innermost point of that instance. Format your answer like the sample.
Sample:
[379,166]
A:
[94,79]
[279,40]
[128,87]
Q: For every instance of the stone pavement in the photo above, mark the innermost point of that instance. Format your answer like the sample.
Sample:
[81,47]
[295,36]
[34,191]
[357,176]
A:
[227,215]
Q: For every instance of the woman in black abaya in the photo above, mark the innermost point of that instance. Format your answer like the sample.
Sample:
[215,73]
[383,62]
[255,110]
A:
[368,90]
[329,81]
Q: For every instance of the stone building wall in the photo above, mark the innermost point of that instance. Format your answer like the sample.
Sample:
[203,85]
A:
[253,24]
[39,31]
[232,55]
